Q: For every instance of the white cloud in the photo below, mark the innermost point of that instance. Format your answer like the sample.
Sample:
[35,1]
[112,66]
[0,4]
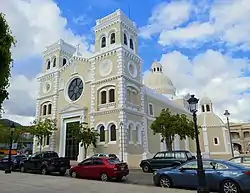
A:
[227,22]
[166,16]
[35,25]
[214,75]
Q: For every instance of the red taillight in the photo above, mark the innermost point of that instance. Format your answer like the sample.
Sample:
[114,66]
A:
[247,173]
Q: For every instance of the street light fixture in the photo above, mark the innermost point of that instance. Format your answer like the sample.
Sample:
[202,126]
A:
[12,129]
[121,139]
[202,186]
[227,114]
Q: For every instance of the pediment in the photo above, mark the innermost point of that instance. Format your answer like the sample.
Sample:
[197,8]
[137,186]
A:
[72,107]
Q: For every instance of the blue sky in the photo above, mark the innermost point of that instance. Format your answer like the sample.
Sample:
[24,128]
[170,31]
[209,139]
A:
[204,46]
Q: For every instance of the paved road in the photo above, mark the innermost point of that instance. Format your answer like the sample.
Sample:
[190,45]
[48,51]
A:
[30,183]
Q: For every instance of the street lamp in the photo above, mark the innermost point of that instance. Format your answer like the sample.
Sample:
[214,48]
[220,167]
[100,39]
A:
[12,129]
[227,114]
[202,186]
[121,137]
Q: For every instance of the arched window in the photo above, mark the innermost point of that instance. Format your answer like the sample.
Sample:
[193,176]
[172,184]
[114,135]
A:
[208,108]
[131,44]
[64,61]
[130,133]
[112,95]
[158,69]
[216,141]
[44,109]
[49,109]
[54,62]
[102,134]
[125,39]
[103,43]
[202,108]
[103,97]
[47,140]
[112,133]
[139,134]
[112,38]
[48,65]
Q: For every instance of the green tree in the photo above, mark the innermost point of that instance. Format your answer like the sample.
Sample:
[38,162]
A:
[168,125]
[6,41]
[81,132]
[42,128]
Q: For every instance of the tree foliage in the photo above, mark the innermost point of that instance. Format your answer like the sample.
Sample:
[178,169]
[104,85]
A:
[168,125]
[42,128]
[81,132]
[6,41]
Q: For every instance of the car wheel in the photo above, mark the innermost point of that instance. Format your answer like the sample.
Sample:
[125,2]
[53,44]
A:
[44,171]
[165,182]
[229,186]
[22,169]
[146,168]
[104,177]
[73,174]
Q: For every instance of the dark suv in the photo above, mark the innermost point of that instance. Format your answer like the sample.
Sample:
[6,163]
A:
[166,159]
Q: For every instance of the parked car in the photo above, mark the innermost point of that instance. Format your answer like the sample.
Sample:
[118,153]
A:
[244,160]
[45,162]
[223,176]
[15,161]
[166,159]
[102,168]
[105,155]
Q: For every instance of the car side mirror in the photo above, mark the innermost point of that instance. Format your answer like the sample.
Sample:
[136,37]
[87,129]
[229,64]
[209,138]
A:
[181,169]
[193,157]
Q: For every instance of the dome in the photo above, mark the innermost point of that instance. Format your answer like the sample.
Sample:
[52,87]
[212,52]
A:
[209,120]
[205,101]
[158,81]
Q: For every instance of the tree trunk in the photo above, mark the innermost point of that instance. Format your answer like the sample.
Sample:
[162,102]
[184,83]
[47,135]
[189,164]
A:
[41,140]
[85,151]
[169,142]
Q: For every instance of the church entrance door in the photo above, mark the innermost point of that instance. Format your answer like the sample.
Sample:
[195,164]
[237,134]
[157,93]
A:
[72,145]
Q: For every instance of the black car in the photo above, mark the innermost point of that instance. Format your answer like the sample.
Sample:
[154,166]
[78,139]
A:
[166,159]
[45,162]
[15,162]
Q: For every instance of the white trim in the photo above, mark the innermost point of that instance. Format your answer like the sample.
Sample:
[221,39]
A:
[135,74]
[104,86]
[133,86]
[152,109]
[218,141]
[100,123]
[45,87]
[66,96]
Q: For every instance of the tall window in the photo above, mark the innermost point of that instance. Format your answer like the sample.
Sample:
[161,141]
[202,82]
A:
[49,109]
[64,61]
[131,44]
[103,43]
[44,109]
[47,139]
[151,109]
[202,108]
[112,95]
[130,133]
[125,39]
[102,134]
[103,97]
[54,62]
[207,108]
[216,141]
[112,133]
[48,65]
[112,38]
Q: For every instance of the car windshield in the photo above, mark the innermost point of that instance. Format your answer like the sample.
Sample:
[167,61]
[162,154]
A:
[114,161]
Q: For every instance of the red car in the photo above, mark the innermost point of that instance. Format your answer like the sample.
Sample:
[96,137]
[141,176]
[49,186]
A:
[103,168]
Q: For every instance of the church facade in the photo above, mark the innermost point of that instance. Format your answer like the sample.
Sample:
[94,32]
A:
[108,92]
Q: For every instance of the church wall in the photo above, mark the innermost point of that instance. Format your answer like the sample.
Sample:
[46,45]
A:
[154,144]
[216,132]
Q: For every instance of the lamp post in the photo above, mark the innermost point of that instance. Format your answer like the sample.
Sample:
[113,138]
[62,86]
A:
[12,129]
[202,186]
[227,114]
[121,138]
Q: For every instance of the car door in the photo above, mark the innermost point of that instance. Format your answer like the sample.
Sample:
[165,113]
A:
[84,168]
[157,160]
[246,161]
[237,160]
[4,162]
[96,168]
[186,175]
[33,162]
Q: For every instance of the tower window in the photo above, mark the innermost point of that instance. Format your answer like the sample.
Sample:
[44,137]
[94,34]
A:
[112,133]
[112,38]
[158,69]
[131,44]
[102,134]
[216,141]
[64,61]
[44,109]
[202,108]
[48,65]
[112,95]
[208,108]
[54,62]
[125,39]
[103,44]
[103,97]
[49,108]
